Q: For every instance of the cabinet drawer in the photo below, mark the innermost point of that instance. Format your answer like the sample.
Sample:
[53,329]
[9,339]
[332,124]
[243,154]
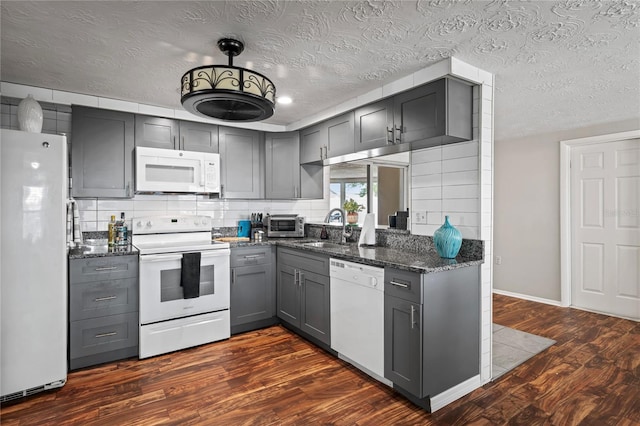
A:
[403,284]
[103,268]
[97,335]
[247,256]
[100,298]
[300,259]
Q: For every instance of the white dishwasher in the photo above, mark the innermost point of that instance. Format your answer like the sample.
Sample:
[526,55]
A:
[357,315]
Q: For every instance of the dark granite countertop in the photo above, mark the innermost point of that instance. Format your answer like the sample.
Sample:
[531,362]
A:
[399,250]
[102,250]
[422,262]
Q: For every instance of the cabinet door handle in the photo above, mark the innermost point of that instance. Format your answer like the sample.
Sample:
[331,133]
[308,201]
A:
[321,153]
[300,278]
[399,284]
[399,137]
[413,311]
[221,191]
[295,277]
[326,152]
[106,268]
[233,276]
[102,299]
[112,333]
[183,143]
[128,189]
[389,135]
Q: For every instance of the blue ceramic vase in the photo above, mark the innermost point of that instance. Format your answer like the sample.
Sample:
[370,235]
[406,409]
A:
[447,240]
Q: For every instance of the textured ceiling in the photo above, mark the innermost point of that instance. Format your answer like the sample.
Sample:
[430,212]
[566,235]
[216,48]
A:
[558,64]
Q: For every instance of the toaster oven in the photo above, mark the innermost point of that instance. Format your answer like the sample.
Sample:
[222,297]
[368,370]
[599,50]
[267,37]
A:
[285,225]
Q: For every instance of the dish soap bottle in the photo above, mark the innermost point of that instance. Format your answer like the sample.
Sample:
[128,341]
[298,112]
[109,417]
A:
[112,231]
[323,233]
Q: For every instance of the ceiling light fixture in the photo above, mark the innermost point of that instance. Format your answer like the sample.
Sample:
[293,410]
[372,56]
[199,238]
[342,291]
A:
[227,92]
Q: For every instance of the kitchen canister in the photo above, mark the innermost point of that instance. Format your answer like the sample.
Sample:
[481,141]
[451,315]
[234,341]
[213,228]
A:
[30,115]
[447,240]
[244,228]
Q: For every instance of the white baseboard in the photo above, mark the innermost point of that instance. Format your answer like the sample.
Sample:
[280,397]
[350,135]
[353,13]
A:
[456,392]
[527,297]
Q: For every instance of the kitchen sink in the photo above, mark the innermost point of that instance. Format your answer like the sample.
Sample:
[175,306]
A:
[323,244]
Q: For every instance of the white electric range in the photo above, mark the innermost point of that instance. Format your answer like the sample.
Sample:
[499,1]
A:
[184,283]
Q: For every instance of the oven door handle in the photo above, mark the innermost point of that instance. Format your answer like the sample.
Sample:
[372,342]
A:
[149,258]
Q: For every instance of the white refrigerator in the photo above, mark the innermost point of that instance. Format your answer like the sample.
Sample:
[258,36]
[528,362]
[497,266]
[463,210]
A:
[33,263]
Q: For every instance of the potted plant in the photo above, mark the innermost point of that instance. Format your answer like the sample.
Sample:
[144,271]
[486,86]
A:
[352,208]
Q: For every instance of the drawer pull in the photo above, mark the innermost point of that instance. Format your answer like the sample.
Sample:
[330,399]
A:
[112,333]
[106,268]
[102,299]
[252,256]
[399,284]
[413,312]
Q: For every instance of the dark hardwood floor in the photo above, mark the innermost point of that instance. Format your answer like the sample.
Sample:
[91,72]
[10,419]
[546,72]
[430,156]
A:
[591,376]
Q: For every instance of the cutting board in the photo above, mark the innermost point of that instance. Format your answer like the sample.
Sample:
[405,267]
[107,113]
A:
[232,239]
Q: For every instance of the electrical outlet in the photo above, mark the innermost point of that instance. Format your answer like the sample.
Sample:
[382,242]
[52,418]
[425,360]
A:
[420,218]
[498,260]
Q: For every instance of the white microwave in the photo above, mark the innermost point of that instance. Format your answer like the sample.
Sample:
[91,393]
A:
[169,170]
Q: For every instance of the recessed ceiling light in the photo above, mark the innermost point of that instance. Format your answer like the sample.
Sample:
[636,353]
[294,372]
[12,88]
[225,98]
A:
[284,100]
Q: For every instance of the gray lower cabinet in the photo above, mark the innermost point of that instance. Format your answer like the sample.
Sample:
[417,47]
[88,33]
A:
[103,310]
[431,329]
[253,288]
[102,143]
[303,292]
[240,163]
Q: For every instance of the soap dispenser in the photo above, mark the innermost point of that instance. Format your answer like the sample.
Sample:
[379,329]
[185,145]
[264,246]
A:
[323,234]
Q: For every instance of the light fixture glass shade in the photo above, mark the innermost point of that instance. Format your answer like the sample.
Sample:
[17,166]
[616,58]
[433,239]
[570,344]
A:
[228,93]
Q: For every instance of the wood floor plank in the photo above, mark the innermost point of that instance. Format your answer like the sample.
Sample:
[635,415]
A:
[591,376]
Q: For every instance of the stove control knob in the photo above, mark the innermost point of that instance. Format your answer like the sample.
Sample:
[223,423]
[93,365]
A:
[196,222]
[139,224]
[149,223]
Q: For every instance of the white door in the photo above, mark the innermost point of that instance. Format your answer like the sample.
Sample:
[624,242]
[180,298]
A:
[605,227]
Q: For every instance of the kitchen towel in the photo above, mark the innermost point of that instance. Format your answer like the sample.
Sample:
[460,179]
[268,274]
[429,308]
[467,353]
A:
[73,224]
[368,232]
[190,275]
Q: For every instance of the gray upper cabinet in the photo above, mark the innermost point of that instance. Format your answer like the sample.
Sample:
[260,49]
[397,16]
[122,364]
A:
[198,137]
[340,133]
[434,114]
[313,142]
[331,138]
[240,163]
[102,145]
[282,166]
[374,125]
[158,132]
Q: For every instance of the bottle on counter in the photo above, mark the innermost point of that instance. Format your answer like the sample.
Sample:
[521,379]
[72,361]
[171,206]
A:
[112,231]
[121,231]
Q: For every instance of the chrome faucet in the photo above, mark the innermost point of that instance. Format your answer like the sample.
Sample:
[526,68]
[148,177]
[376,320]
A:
[344,234]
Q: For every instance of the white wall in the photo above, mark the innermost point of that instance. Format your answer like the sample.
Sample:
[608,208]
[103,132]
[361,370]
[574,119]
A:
[96,212]
[445,182]
[527,210]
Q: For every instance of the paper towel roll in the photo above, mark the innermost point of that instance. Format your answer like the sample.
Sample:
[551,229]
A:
[368,232]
